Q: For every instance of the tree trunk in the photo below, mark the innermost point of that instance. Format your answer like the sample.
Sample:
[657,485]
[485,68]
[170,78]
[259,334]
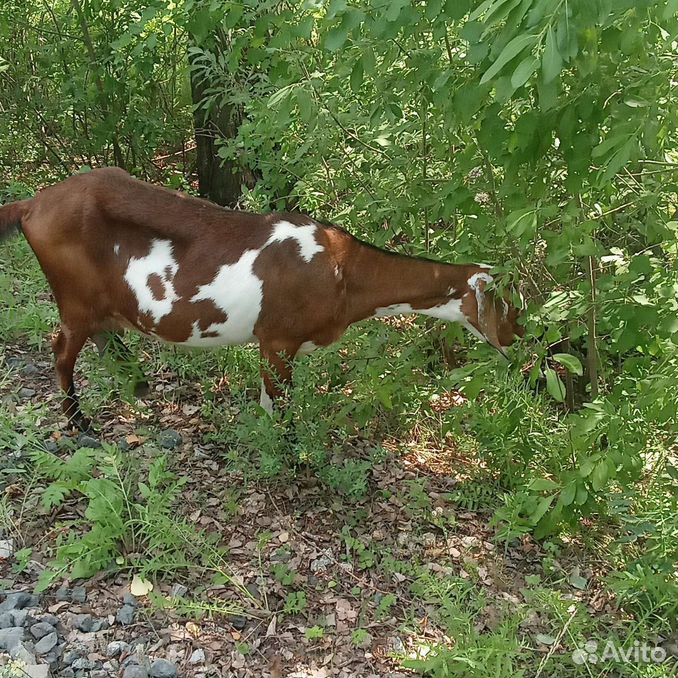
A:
[219,180]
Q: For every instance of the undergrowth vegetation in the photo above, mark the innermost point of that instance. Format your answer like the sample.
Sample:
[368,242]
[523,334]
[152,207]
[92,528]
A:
[536,135]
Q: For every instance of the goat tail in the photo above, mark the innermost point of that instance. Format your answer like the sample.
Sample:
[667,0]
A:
[11,216]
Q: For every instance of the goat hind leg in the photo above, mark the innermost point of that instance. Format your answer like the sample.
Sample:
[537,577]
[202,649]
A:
[67,345]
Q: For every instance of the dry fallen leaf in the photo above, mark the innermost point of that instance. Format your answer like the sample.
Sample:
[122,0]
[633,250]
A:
[140,587]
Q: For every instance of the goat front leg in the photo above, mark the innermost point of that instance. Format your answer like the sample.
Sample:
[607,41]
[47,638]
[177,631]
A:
[276,371]
[67,345]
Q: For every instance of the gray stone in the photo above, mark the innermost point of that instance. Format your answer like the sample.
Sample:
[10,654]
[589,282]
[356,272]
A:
[98,674]
[16,600]
[125,615]
[321,564]
[68,672]
[23,653]
[49,618]
[135,671]
[50,445]
[41,629]
[117,647]
[85,440]
[197,656]
[45,644]
[11,637]
[30,369]
[19,617]
[178,591]
[36,671]
[129,599]
[69,657]
[169,439]
[161,668]
[79,594]
[6,548]
[6,620]
[63,593]
[26,393]
[237,621]
[14,363]
[84,622]
[82,663]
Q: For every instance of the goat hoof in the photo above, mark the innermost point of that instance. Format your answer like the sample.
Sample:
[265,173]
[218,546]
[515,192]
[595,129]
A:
[81,423]
[141,389]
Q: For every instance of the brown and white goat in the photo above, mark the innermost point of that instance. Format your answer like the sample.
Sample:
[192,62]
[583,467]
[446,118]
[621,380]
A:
[120,253]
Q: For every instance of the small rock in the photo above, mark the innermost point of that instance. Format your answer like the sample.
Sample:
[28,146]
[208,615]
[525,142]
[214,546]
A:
[19,617]
[197,657]
[50,445]
[169,439]
[98,674]
[41,629]
[161,668]
[237,621]
[16,600]
[26,393]
[70,656]
[321,564]
[117,647]
[125,615]
[135,671]
[178,591]
[14,363]
[82,663]
[123,445]
[84,622]
[36,671]
[6,548]
[63,593]
[79,594]
[45,644]
[21,653]
[50,619]
[6,620]
[30,369]
[11,637]
[67,673]
[85,440]
[130,599]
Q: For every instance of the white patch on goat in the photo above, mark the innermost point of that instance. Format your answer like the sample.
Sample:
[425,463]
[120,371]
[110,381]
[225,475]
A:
[304,235]
[116,249]
[474,284]
[237,292]
[159,261]
[450,311]
[306,348]
[265,400]
[393,309]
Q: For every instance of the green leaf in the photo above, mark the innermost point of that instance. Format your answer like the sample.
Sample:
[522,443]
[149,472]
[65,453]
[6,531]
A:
[356,79]
[575,579]
[551,62]
[539,484]
[600,475]
[570,362]
[523,71]
[554,385]
[336,37]
[512,50]
[568,494]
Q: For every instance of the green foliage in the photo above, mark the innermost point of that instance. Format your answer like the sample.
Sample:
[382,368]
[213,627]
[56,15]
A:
[129,519]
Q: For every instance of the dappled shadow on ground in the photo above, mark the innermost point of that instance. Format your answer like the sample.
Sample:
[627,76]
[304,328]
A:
[333,587]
